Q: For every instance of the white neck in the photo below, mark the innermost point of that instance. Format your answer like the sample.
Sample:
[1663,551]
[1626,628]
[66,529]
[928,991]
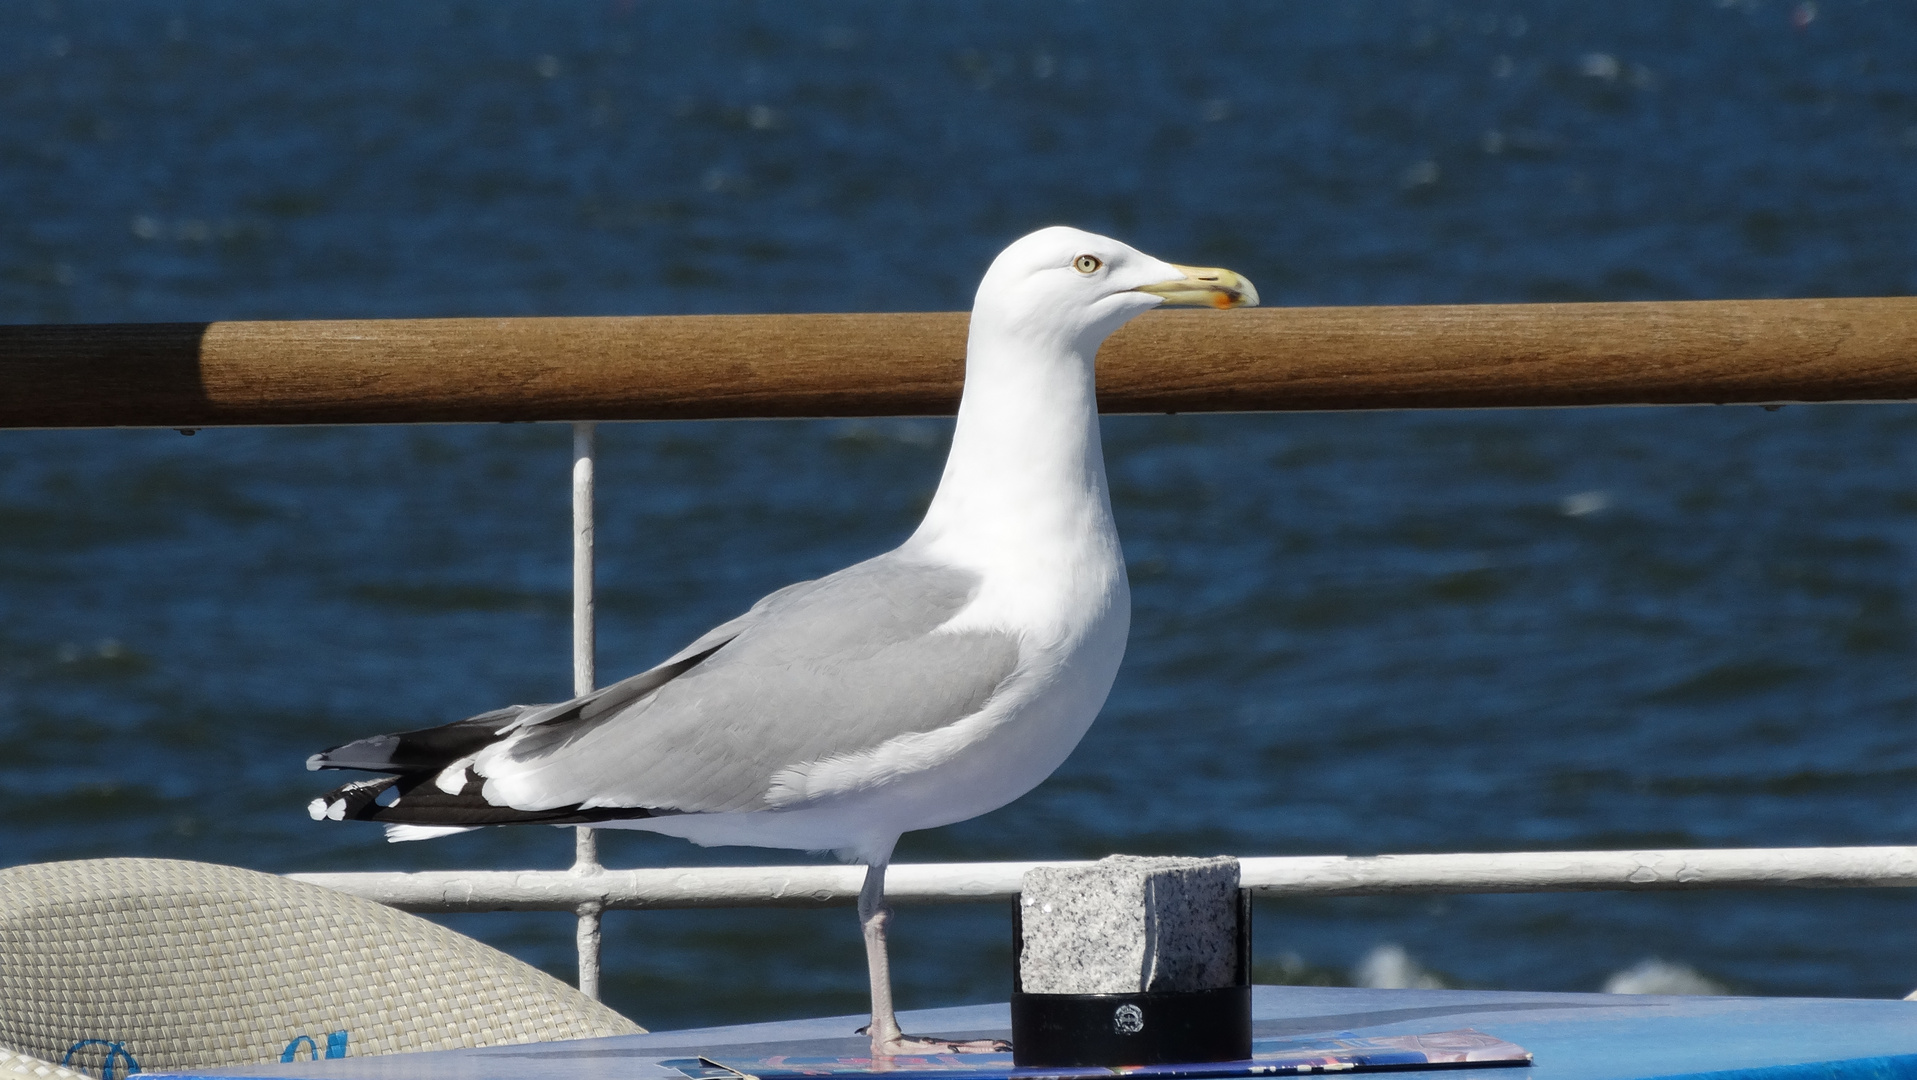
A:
[1023,498]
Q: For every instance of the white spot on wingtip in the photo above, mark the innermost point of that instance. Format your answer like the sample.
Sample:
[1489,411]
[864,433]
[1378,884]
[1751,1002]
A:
[317,808]
[452,779]
[399,834]
[313,763]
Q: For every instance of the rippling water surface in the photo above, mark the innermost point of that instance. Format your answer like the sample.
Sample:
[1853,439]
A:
[1354,633]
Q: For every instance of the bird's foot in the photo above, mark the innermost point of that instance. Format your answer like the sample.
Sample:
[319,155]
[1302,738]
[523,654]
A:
[914,1046]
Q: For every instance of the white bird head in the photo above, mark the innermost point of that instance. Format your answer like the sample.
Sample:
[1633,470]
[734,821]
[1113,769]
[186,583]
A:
[1074,288]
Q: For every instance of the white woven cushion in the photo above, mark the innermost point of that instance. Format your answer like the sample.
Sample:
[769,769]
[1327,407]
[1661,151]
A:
[13,1064]
[191,965]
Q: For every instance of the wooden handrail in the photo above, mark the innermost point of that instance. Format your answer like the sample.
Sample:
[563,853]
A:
[193,375]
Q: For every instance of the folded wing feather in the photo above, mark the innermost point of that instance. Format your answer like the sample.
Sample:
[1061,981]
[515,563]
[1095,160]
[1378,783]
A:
[821,669]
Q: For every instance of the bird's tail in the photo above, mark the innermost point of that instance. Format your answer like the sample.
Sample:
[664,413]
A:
[399,834]
[432,788]
[424,807]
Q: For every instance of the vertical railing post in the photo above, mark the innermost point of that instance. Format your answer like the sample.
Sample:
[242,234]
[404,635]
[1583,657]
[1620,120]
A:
[585,846]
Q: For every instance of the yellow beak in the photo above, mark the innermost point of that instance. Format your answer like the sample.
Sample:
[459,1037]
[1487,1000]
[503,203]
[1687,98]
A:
[1205,286]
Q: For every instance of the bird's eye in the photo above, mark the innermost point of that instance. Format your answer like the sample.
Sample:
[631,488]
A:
[1087,264]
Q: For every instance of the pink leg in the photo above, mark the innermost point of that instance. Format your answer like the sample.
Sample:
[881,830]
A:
[887,1040]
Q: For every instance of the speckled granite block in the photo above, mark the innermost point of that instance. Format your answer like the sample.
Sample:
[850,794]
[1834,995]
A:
[1126,924]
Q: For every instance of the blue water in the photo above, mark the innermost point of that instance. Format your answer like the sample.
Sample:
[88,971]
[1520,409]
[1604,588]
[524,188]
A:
[1354,633]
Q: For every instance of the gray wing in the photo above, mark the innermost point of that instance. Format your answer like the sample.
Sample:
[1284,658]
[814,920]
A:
[818,670]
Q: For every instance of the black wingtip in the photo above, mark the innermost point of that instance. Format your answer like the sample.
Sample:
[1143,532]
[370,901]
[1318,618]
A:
[378,753]
[354,801]
[425,750]
[419,801]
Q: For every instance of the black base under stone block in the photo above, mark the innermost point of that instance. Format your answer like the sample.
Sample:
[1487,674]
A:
[1054,1030]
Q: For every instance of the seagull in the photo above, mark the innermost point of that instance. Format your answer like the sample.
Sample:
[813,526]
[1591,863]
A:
[924,686]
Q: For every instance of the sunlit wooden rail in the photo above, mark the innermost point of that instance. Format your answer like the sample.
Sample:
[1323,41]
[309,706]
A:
[193,375]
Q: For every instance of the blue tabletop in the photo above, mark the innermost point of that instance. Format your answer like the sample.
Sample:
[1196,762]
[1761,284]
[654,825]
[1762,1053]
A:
[1573,1036]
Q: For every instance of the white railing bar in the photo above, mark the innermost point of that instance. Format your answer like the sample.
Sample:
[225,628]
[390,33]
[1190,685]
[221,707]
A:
[585,452]
[584,658]
[1309,875]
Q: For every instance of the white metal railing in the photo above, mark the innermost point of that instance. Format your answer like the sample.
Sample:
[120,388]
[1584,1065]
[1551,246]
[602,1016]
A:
[1307,875]
[589,889]
[585,660]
